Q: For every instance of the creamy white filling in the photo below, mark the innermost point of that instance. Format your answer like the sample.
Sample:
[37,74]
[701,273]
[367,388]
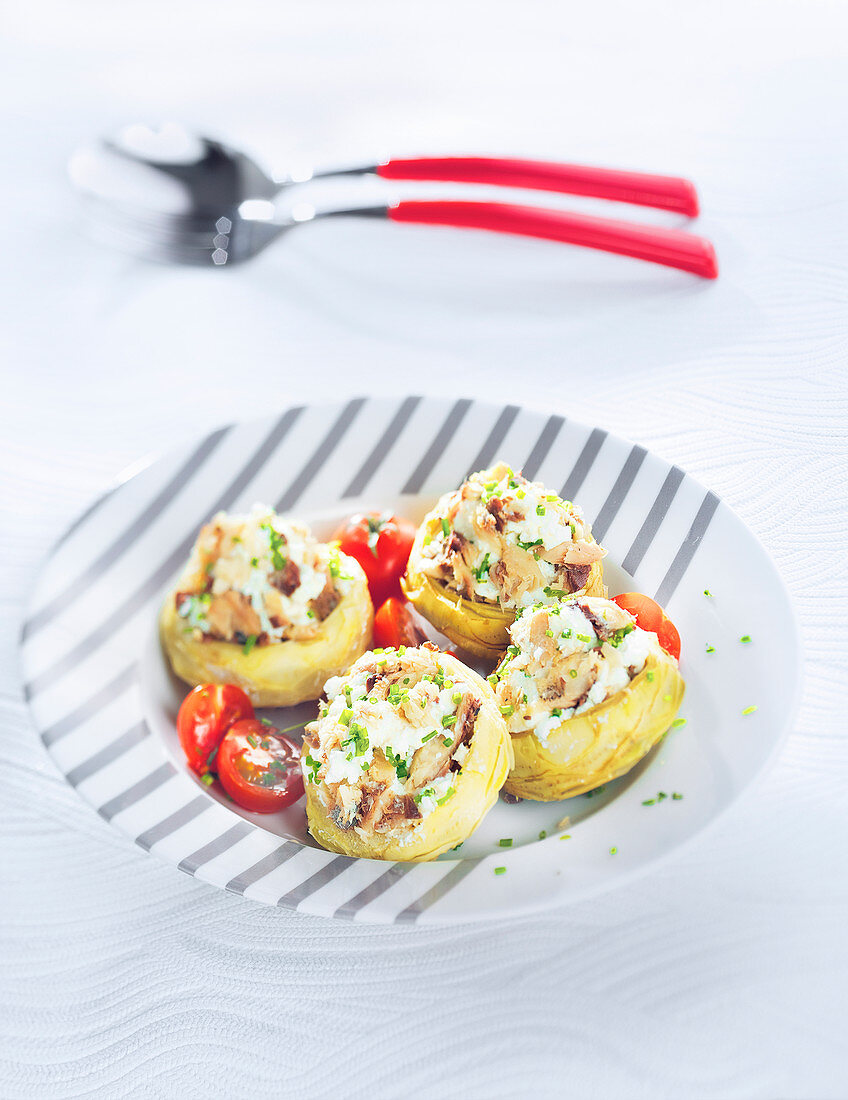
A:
[574,636]
[544,516]
[386,729]
[250,561]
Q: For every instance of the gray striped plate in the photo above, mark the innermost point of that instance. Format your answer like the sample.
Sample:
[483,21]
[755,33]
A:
[104,702]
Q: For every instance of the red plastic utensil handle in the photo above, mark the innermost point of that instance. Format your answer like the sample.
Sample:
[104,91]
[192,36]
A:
[670,247]
[664,192]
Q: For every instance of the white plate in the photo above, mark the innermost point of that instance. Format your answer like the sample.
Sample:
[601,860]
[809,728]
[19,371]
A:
[105,702]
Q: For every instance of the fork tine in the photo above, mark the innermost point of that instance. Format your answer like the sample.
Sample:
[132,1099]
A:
[166,248]
[168,238]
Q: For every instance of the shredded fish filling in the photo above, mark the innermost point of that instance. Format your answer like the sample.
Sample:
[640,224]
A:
[501,539]
[567,658]
[259,579]
[390,740]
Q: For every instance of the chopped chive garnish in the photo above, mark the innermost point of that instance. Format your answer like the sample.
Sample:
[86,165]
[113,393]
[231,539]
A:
[505,842]
[565,836]
[428,736]
[710,648]
[542,835]
[618,636]
[661,795]
[613,851]
[677,723]
[483,570]
[749,710]
[249,643]
[677,796]
[745,638]
[500,870]
[345,717]
[208,779]
[449,793]
[540,509]
[556,712]
[507,709]
[556,593]
[449,720]
[448,741]
[649,802]
[708,594]
[572,672]
[649,676]
[457,697]
[251,740]
[666,698]
[445,527]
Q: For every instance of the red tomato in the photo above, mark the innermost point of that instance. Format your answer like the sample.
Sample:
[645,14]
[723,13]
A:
[393,626]
[259,767]
[207,712]
[650,616]
[380,543]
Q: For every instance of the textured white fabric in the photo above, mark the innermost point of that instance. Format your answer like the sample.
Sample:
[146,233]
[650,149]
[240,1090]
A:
[723,973]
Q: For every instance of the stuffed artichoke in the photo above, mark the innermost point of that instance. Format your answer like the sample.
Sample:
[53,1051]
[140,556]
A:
[586,694]
[263,605]
[407,756]
[496,544]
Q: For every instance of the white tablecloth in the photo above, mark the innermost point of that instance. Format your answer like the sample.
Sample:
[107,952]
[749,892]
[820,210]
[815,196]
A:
[721,975]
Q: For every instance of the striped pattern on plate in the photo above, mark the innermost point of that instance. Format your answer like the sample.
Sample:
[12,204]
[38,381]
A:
[100,590]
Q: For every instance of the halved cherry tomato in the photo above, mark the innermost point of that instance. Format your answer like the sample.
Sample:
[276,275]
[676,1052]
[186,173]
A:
[380,543]
[207,712]
[650,616]
[394,626]
[259,767]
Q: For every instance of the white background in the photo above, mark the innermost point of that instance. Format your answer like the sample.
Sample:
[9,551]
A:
[723,974]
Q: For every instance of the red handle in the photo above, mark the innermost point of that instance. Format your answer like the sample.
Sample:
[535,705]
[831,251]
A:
[670,247]
[640,188]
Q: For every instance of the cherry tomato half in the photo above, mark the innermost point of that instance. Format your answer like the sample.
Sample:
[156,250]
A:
[650,616]
[207,712]
[393,626]
[259,767]
[380,543]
